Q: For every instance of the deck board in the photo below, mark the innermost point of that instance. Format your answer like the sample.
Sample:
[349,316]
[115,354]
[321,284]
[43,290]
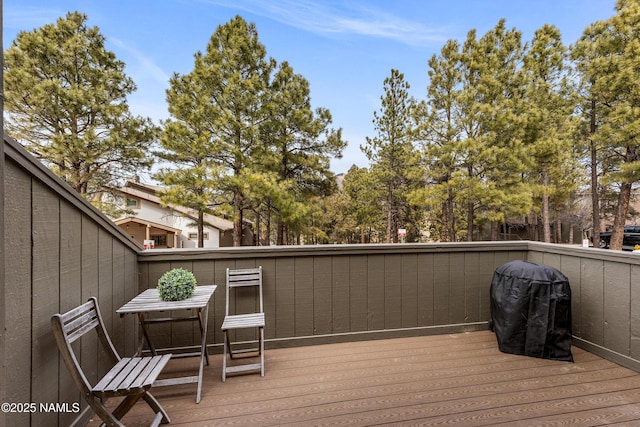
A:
[460,379]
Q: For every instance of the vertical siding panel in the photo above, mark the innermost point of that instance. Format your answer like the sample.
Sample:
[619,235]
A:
[473,288]
[160,334]
[285,298]
[570,267]
[18,280]
[409,290]
[303,296]
[591,303]
[392,291]
[487,261]
[635,312]
[131,289]
[205,275]
[105,290]
[358,300]
[457,296]
[535,256]
[375,292]
[441,291]
[46,294]
[617,300]
[341,315]
[70,293]
[426,291]
[89,344]
[269,296]
[220,279]
[118,297]
[553,260]
[322,296]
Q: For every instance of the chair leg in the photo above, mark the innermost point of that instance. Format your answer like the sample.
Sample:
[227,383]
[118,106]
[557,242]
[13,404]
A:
[224,356]
[156,407]
[105,415]
[126,405]
[262,352]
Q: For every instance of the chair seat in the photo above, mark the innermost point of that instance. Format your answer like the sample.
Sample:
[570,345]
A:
[131,375]
[239,321]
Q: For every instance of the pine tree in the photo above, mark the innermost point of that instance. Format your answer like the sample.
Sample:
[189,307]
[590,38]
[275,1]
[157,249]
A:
[298,145]
[218,109]
[66,100]
[493,122]
[440,134]
[607,56]
[549,128]
[394,159]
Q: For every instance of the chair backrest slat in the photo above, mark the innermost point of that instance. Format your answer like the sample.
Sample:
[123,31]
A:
[79,326]
[244,277]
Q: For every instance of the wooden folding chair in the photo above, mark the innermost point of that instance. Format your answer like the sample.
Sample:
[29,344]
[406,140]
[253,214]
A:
[236,279]
[129,377]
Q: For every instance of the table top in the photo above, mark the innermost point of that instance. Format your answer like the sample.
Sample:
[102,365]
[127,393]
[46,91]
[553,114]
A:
[149,300]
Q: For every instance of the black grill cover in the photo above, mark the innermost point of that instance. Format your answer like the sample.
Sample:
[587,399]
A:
[531,310]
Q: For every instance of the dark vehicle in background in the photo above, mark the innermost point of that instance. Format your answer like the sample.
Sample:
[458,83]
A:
[631,238]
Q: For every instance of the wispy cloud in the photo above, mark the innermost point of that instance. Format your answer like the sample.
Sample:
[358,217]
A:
[327,18]
[28,18]
[144,65]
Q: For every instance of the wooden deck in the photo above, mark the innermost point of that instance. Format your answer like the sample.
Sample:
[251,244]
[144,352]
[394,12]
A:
[460,379]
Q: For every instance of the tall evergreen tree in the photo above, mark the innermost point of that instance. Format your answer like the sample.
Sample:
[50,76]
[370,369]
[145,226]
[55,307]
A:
[220,106]
[549,126]
[66,100]
[394,159]
[493,122]
[440,134]
[607,56]
[298,146]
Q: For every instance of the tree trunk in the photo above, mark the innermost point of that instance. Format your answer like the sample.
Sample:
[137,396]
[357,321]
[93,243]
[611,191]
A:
[267,228]
[620,218]
[595,202]
[546,223]
[494,231]
[201,229]
[280,231]
[444,227]
[238,220]
[389,215]
[470,212]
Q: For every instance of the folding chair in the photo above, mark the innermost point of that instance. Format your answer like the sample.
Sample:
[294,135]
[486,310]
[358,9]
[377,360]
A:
[129,377]
[236,279]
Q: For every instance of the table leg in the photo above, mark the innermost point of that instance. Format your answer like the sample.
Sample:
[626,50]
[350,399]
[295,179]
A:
[145,333]
[203,349]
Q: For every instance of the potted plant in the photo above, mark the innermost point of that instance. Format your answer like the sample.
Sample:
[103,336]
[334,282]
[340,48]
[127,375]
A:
[176,284]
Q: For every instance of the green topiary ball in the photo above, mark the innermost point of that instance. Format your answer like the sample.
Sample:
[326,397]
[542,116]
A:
[176,285]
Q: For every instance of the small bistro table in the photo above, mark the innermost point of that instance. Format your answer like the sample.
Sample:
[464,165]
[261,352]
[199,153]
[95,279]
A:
[149,301]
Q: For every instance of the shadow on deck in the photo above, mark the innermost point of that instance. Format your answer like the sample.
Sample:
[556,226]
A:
[460,379]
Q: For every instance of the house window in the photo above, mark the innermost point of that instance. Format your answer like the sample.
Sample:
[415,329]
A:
[133,203]
[161,240]
[194,236]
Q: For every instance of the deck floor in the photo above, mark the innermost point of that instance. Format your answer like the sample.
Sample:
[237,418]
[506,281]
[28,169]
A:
[460,379]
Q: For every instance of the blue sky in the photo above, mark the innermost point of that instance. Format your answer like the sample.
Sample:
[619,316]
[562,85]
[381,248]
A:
[344,48]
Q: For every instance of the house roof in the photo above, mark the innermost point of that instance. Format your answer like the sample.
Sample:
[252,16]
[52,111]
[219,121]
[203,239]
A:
[128,220]
[149,193]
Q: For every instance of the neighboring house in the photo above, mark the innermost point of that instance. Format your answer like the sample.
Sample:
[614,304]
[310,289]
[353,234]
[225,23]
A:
[170,227]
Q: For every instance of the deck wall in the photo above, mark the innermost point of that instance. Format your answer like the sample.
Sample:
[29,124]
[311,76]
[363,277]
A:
[605,288]
[316,294]
[339,293]
[59,251]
